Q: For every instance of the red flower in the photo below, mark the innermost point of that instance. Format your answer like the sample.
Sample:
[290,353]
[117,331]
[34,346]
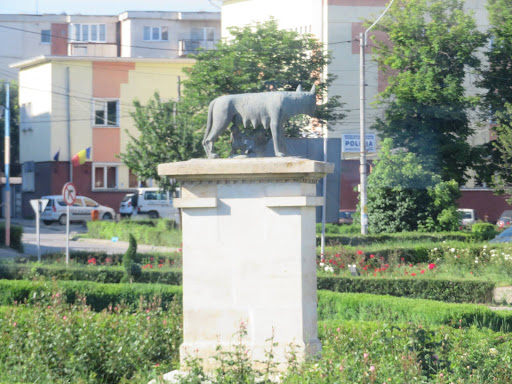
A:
[422,271]
[410,265]
[382,257]
[372,256]
[431,266]
[413,274]
[402,259]
[160,265]
[359,252]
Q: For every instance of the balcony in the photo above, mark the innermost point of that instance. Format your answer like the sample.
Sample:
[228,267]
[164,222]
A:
[186,47]
[92,49]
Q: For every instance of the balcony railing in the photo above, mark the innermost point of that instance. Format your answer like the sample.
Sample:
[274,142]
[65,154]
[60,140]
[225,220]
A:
[187,47]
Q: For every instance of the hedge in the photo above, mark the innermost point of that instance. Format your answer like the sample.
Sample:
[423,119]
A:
[95,274]
[99,296]
[16,234]
[154,232]
[461,291]
[367,307]
[362,240]
[83,257]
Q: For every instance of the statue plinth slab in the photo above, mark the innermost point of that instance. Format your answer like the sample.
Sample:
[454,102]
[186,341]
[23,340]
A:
[249,253]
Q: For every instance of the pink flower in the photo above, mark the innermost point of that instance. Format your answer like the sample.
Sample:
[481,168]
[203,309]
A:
[372,368]
[365,355]
[164,322]
[341,368]
[149,317]
[422,271]
[64,317]
[15,324]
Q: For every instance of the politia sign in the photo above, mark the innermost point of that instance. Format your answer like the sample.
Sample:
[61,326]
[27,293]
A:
[351,143]
[69,193]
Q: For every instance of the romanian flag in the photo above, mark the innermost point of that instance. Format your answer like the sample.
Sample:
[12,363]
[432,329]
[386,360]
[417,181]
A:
[80,157]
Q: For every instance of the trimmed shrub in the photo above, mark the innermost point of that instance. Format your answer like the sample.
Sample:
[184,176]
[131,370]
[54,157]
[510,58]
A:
[131,269]
[96,274]
[367,307]
[154,232]
[483,231]
[15,236]
[462,291]
[362,240]
[98,296]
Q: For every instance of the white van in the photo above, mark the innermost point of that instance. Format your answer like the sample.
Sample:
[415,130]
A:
[155,203]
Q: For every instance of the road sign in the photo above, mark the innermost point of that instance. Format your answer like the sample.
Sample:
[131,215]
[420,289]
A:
[38,205]
[69,193]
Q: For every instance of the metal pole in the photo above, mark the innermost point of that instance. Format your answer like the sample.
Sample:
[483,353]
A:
[68,121]
[38,232]
[324,194]
[67,234]
[362,135]
[7,161]
[363,37]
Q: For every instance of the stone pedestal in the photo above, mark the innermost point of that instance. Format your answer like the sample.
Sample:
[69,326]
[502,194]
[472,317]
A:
[249,253]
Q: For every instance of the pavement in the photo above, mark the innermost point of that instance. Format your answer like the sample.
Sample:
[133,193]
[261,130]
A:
[53,239]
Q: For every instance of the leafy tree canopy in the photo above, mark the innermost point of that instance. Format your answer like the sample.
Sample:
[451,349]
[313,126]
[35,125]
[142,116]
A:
[432,43]
[405,196]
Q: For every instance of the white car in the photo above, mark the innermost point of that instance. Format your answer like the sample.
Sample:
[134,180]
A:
[155,204]
[81,210]
[468,216]
[126,208]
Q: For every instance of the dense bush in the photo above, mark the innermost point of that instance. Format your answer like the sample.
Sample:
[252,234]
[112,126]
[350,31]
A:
[399,310]
[59,343]
[362,240]
[98,296]
[462,291]
[103,258]
[132,270]
[483,231]
[16,234]
[155,232]
[95,274]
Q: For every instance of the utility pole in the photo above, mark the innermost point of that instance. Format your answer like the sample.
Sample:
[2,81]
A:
[68,125]
[363,41]
[7,162]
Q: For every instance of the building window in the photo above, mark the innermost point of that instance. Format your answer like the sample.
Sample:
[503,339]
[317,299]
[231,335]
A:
[133,181]
[156,34]
[95,33]
[202,34]
[104,176]
[46,36]
[106,113]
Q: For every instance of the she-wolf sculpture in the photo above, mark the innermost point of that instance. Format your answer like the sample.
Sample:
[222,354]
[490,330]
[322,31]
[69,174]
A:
[270,109]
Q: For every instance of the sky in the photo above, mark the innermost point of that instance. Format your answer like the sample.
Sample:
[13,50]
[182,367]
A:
[103,7]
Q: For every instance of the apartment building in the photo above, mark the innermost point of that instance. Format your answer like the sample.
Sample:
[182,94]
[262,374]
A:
[337,24]
[69,104]
[130,34]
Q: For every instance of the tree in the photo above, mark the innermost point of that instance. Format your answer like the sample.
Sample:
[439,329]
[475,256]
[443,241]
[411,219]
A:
[165,135]
[432,43]
[260,58]
[496,102]
[14,127]
[405,196]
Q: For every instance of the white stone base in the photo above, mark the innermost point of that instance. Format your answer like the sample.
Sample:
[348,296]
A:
[249,253]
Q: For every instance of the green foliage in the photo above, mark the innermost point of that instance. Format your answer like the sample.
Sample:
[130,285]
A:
[260,58]
[405,196]
[164,136]
[458,291]
[79,273]
[399,310]
[484,231]
[98,296]
[60,343]
[132,270]
[154,232]
[15,236]
[432,45]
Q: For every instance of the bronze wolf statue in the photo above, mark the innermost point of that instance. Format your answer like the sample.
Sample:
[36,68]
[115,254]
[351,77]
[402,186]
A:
[269,109]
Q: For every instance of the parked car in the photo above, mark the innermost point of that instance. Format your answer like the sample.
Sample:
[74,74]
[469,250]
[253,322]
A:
[346,216]
[468,216]
[503,237]
[505,219]
[126,207]
[81,210]
[154,203]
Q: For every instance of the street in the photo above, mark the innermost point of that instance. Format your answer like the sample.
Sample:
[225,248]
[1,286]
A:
[53,239]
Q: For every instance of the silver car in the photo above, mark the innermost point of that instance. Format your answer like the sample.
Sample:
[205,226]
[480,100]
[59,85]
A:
[81,210]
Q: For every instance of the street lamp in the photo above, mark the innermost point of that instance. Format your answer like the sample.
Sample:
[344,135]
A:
[7,141]
[363,38]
